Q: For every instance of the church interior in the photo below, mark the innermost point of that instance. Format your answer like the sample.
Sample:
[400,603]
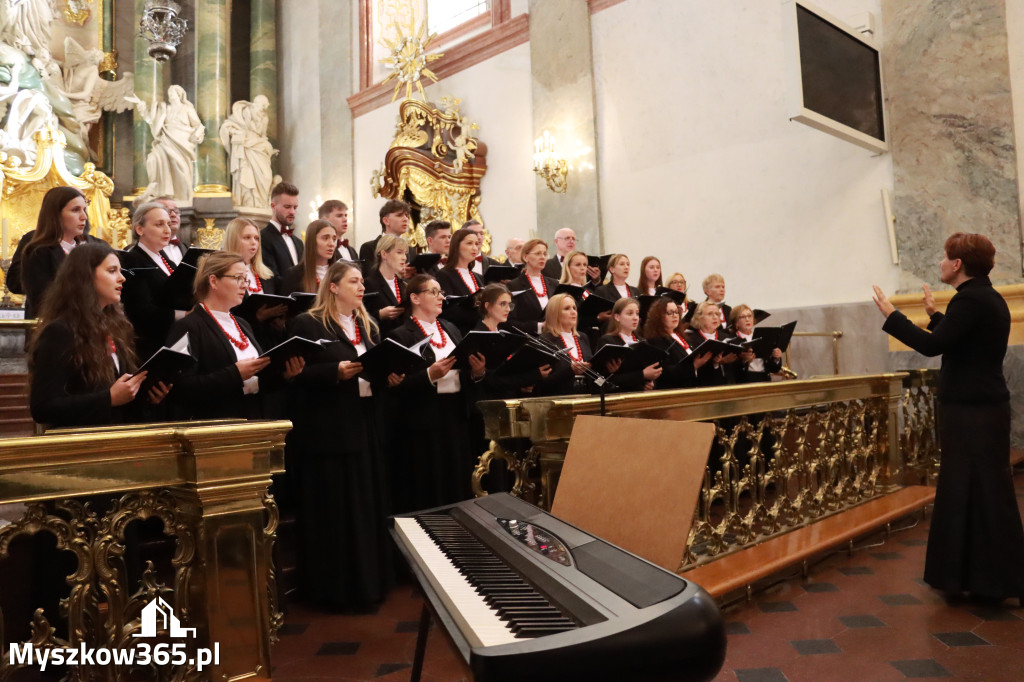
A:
[795,153]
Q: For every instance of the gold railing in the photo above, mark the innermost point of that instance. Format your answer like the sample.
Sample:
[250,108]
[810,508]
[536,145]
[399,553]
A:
[207,482]
[785,453]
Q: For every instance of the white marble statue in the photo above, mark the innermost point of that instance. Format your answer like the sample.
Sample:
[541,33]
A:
[27,25]
[177,131]
[244,136]
[91,95]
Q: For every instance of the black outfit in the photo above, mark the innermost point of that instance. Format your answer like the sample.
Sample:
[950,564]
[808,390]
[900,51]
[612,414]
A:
[341,481]
[346,252]
[212,388]
[562,380]
[452,284]
[385,290]
[268,332]
[612,294]
[711,374]
[291,280]
[976,540]
[368,251]
[673,374]
[528,312]
[146,301]
[33,276]
[59,396]
[430,461]
[624,381]
[553,268]
[275,252]
[743,373]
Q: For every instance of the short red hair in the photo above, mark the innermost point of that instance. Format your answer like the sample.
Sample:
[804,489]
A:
[975,251]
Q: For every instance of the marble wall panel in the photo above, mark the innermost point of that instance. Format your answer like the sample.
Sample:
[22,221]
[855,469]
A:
[954,155]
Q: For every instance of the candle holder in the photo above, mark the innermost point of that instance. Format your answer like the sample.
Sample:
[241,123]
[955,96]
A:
[548,165]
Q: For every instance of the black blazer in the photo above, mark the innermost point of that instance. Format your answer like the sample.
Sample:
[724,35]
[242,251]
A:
[268,334]
[553,268]
[452,283]
[624,381]
[367,252]
[495,387]
[709,374]
[325,409]
[375,283]
[38,273]
[59,396]
[416,387]
[743,373]
[275,252]
[146,303]
[528,311]
[14,281]
[673,375]
[562,380]
[971,337]
[212,388]
[346,253]
[612,294]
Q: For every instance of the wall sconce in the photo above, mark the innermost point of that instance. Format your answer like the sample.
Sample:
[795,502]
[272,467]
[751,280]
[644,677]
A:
[548,165]
[163,28]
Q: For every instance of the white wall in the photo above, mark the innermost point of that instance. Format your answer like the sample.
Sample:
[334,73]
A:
[700,165]
[496,96]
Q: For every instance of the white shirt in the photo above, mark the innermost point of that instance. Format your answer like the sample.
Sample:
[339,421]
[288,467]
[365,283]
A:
[569,341]
[67,246]
[173,253]
[449,383]
[538,288]
[287,242]
[477,267]
[252,384]
[627,339]
[757,364]
[468,279]
[321,272]
[623,290]
[348,324]
[250,279]
[158,259]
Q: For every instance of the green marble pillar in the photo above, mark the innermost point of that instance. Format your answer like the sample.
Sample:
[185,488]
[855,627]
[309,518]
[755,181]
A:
[213,92]
[150,79]
[263,59]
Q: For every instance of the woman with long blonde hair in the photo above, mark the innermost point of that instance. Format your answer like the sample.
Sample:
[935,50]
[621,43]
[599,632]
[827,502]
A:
[559,331]
[242,236]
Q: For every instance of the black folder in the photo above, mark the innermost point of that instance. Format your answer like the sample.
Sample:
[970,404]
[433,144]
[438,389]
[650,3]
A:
[635,357]
[594,305]
[294,347]
[253,302]
[678,296]
[301,302]
[165,365]
[600,262]
[178,287]
[496,347]
[778,337]
[715,347]
[425,261]
[501,273]
[388,357]
[193,254]
[574,290]
[529,359]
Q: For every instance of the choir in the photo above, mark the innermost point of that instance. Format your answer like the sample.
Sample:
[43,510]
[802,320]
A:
[369,439]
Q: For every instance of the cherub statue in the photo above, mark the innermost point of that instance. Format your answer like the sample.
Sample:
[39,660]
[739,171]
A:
[177,131]
[91,95]
[244,136]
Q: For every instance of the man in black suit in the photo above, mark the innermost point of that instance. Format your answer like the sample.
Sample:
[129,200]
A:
[281,248]
[335,212]
[565,243]
[439,238]
[176,249]
[394,219]
[482,262]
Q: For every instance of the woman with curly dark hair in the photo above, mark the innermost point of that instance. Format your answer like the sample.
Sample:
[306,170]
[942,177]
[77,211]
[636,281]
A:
[82,357]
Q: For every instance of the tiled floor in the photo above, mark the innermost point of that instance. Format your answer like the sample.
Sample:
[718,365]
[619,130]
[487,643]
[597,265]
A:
[865,617]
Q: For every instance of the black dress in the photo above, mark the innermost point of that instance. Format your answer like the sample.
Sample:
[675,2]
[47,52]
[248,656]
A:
[430,461]
[528,312]
[674,375]
[212,388]
[146,301]
[745,375]
[976,540]
[59,396]
[385,290]
[612,294]
[339,476]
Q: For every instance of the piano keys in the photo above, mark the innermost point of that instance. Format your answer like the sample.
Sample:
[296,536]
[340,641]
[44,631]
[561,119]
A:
[526,596]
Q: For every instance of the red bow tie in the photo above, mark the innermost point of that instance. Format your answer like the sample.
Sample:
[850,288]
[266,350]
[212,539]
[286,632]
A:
[175,241]
[343,242]
[287,231]
[480,258]
[444,259]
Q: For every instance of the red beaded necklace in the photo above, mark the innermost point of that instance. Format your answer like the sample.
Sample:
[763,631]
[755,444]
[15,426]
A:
[440,333]
[259,285]
[543,285]
[359,336]
[681,341]
[170,268]
[471,282]
[398,290]
[579,351]
[242,342]
[112,345]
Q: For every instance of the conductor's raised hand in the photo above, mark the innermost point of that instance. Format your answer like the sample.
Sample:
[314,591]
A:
[123,390]
[929,301]
[882,301]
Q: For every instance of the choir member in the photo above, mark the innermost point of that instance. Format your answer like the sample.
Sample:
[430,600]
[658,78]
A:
[385,280]
[223,382]
[431,464]
[147,302]
[514,250]
[565,243]
[650,276]
[242,236]
[617,287]
[574,271]
[660,330]
[537,288]
[622,327]
[494,303]
[438,234]
[678,283]
[750,368]
[559,331]
[706,325]
[61,226]
[714,290]
[281,248]
[82,355]
[456,278]
[341,483]
[335,212]
[322,241]
[395,215]
[482,262]
[177,247]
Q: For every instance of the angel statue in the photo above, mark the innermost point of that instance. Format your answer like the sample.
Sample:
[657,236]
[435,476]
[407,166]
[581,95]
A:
[91,95]
[244,136]
[27,25]
[177,131]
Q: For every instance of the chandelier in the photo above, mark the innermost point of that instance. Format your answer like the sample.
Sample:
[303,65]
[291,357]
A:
[163,28]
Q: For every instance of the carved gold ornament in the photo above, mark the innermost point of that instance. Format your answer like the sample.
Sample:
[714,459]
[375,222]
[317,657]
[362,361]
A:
[209,237]
[76,11]
[408,59]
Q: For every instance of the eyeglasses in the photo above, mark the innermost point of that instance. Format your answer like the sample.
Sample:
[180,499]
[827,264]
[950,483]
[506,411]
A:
[672,313]
[511,305]
[239,279]
[432,292]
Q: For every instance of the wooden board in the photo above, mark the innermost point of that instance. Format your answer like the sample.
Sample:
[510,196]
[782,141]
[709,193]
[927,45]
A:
[635,483]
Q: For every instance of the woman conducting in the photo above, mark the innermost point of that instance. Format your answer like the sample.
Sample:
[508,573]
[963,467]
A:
[341,481]
[976,540]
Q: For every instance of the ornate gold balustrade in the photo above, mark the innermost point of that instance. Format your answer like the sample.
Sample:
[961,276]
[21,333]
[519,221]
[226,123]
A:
[785,454]
[207,482]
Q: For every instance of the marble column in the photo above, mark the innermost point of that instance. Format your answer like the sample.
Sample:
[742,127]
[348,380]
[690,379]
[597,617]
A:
[562,67]
[951,128]
[213,92]
[263,58]
[150,81]
[336,43]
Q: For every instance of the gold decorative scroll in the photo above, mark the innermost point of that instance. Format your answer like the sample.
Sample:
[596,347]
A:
[435,160]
